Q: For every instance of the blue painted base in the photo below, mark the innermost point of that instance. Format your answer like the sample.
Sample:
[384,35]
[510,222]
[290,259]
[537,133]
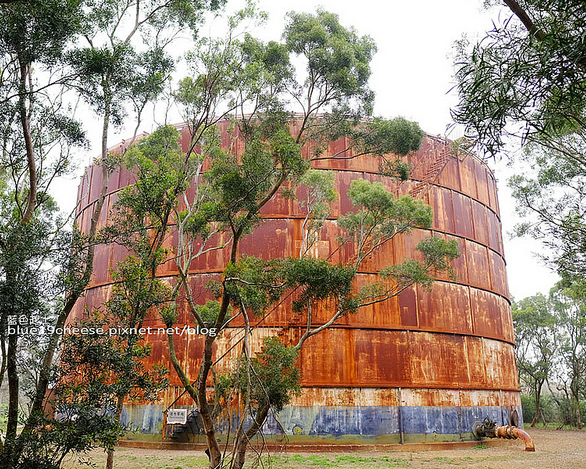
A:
[407,424]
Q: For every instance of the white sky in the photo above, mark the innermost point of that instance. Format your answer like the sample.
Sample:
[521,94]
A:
[411,76]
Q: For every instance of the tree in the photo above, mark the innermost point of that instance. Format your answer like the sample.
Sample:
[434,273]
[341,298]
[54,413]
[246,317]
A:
[254,84]
[568,302]
[44,269]
[551,341]
[250,285]
[33,123]
[525,78]
[551,201]
[535,334]
[136,291]
[101,366]
[525,82]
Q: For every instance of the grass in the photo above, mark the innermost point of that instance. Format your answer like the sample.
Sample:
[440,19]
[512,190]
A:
[552,426]
[554,449]
[321,460]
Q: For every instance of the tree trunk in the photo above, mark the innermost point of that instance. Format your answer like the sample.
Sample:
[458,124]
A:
[12,387]
[215,454]
[9,455]
[576,398]
[525,19]
[244,437]
[119,407]
[3,328]
[31,203]
[71,299]
[202,400]
[537,405]
[204,409]
[578,414]
[543,418]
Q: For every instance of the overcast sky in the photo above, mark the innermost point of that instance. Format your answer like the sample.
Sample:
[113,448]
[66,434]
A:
[411,75]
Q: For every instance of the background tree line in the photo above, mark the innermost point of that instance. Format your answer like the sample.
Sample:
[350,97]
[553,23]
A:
[551,355]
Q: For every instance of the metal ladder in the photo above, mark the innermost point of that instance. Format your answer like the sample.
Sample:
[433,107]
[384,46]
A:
[440,156]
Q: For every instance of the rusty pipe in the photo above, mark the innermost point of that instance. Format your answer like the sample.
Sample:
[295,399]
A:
[489,428]
[511,432]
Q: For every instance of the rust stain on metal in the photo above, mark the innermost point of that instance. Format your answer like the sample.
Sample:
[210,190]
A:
[448,346]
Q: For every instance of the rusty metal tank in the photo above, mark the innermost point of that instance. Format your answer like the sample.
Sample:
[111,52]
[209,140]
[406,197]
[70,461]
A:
[421,367]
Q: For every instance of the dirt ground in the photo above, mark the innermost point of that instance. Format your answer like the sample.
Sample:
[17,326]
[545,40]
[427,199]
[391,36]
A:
[555,449]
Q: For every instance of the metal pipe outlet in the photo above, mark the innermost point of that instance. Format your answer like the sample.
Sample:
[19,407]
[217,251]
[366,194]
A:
[489,428]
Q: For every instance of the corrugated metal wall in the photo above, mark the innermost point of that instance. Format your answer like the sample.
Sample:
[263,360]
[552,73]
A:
[419,367]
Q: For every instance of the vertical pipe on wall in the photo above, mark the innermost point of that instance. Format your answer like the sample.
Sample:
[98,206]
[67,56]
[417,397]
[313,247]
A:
[400,417]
